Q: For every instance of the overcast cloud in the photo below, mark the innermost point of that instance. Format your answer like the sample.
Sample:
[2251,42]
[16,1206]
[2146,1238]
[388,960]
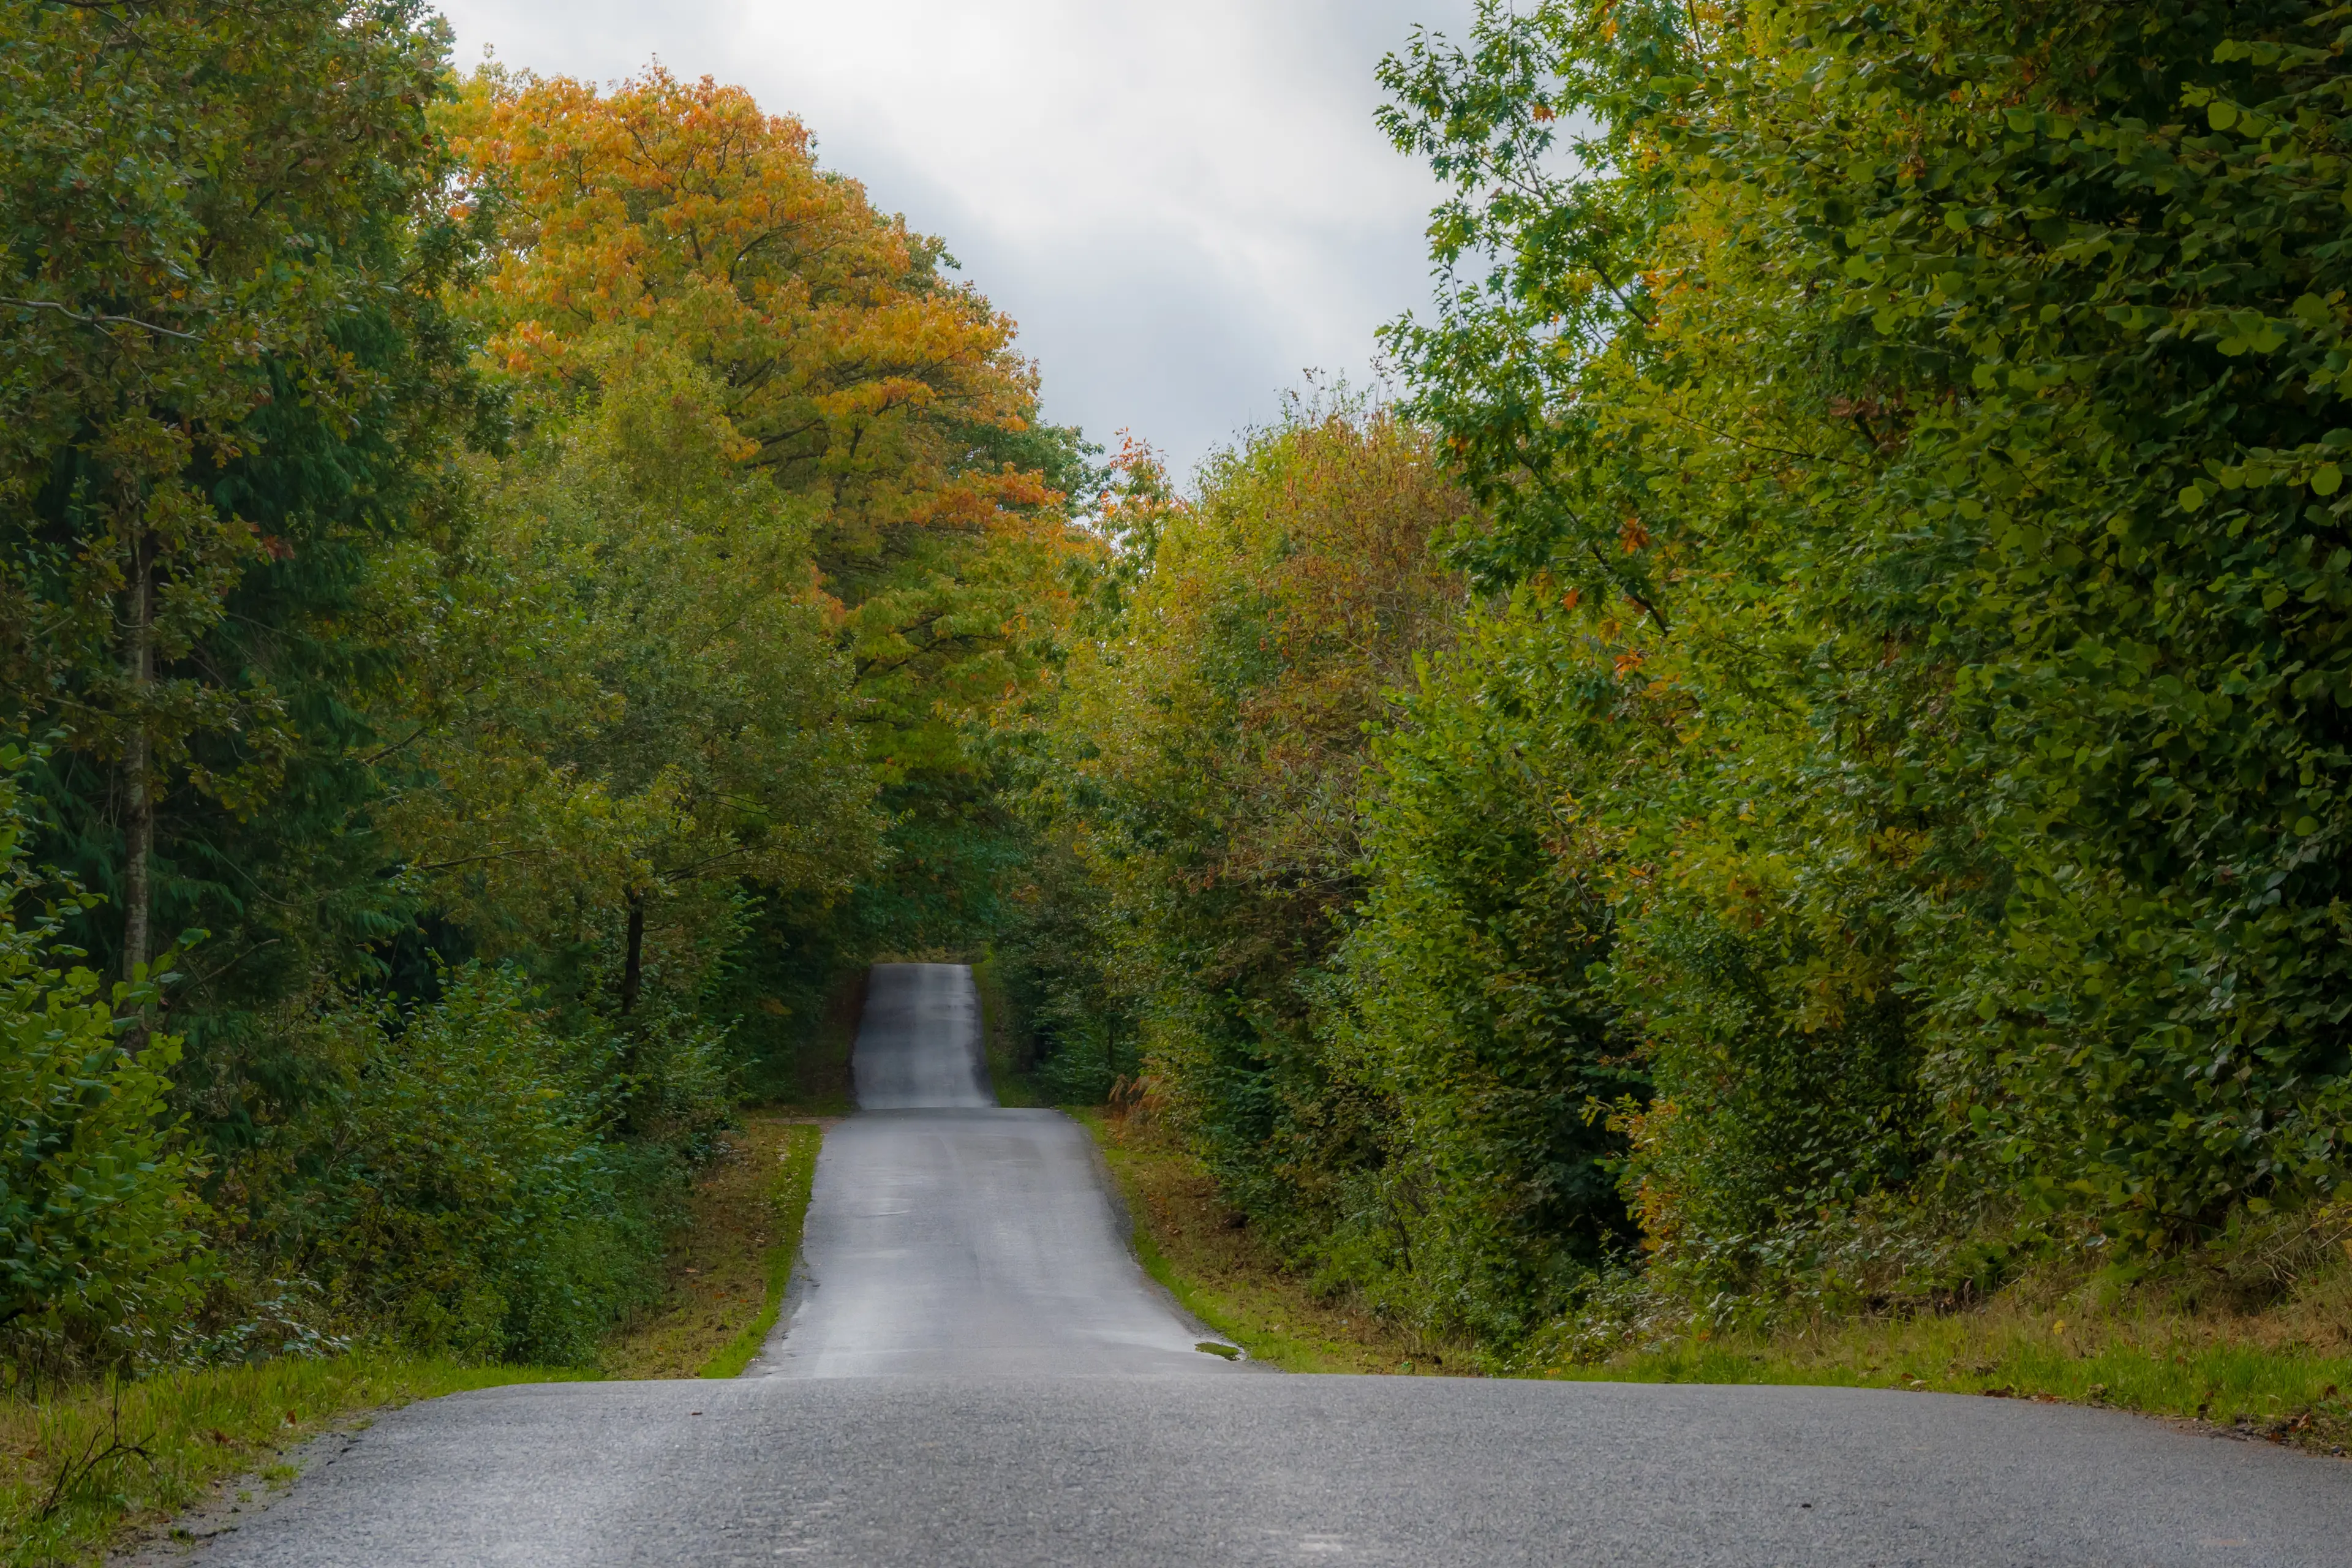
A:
[1185,205]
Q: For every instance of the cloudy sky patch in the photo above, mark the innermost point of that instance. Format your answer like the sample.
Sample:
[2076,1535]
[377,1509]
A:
[1186,205]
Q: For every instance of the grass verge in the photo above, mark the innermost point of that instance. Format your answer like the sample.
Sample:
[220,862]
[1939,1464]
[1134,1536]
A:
[788,1203]
[79,1466]
[1224,1275]
[2280,1374]
[83,1466]
[2210,1368]
[729,1266]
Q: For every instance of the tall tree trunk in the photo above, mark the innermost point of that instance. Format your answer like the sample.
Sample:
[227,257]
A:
[138,765]
[632,968]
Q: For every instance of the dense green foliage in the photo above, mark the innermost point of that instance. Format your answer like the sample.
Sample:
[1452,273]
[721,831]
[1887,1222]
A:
[1940,403]
[520,707]
[1804,763]
[94,1199]
[1469,977]
[1881,820]
[474,1202]
[230,375]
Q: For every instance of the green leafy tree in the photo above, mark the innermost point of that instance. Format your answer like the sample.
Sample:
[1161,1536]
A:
[222,357]
[1211,747]
[1944,407]
[627,689]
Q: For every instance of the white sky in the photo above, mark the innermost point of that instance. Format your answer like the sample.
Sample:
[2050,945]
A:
[1184,203]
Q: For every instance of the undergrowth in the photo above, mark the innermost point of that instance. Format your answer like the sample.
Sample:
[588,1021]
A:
[2252,1333]
[1204,1252]
[729,1265]
[2251,1330]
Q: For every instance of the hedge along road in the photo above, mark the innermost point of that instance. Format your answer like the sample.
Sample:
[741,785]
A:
[977,1374]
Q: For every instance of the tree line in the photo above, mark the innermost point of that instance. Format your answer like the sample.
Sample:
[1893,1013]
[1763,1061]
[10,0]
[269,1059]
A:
[1849,803]
[1797,766]
[497,576]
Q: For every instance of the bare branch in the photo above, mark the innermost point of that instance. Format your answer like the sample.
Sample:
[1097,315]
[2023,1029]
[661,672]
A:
[95,320]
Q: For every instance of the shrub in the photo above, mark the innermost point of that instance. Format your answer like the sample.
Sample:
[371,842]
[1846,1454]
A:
[99,1253]
[477,1206]
[1470,993]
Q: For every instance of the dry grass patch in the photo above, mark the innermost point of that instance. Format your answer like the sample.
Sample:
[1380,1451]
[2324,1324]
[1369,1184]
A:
[727,1268]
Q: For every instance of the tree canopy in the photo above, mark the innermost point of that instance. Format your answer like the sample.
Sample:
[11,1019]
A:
[1875,823]
[1800,765]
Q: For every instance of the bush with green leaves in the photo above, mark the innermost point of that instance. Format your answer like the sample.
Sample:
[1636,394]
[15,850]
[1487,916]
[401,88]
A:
[476,1203]
[1944,408]
[99,1249]
[1468,981]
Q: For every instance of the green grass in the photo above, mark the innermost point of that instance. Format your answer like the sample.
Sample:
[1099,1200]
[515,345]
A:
[2160,1365]
[79,1465]
[795,1177]
[2282,1373]
[82,1464]
[1190,1294]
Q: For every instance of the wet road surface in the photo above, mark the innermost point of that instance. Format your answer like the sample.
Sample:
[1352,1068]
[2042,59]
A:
[947,1235]
[975,1374]
[919,1046]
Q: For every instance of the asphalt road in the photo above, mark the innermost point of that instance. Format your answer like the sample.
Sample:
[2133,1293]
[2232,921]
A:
[918,1045]
[975,1374]
[948,1235]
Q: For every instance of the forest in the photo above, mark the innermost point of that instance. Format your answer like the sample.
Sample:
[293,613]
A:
[1796,762]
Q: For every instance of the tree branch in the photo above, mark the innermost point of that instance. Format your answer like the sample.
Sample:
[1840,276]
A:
[95,321]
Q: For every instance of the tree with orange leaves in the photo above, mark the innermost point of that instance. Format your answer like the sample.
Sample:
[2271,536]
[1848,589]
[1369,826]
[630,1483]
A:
[680,209]
[850,365]
[857,377]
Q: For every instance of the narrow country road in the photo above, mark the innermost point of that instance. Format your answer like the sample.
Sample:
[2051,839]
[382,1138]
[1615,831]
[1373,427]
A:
[949,1235]
[975,1373]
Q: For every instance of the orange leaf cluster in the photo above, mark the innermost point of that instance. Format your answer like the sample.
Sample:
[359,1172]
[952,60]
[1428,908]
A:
[679,213]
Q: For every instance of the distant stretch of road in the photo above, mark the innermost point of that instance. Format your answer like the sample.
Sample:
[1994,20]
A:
[974,1371]
[949,1236]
